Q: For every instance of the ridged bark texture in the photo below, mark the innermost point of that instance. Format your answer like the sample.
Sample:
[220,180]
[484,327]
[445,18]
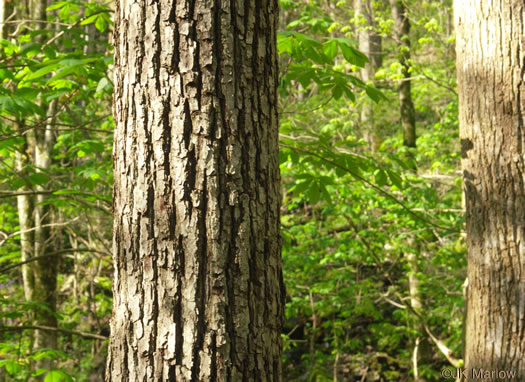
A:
[198,290]
[490,69]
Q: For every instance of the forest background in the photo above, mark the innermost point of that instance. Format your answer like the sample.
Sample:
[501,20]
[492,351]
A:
[372,220]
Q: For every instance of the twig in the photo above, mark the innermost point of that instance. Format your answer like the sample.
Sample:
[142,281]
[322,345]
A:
[52,254]
[52,329]
[7,237]
[444,349]
[439,84]
[9,194]
[309,111]
[58,35]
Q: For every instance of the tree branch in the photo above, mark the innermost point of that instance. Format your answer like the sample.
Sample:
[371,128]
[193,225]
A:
[53,254]
[52,329]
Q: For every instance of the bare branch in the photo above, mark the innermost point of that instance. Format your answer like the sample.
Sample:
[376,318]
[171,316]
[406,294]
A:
[52,329]
[53,254]
[7,237]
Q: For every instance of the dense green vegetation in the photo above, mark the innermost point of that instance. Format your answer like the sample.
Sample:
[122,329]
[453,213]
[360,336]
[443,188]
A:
[353,208]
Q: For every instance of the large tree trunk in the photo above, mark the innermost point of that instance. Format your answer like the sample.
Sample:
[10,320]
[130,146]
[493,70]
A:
[490,70]
[198,290]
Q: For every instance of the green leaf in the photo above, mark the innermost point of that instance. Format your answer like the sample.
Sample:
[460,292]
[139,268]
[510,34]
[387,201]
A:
[326,195]
[381,178]
[301,187]
[12,367]
[54,95]
[395,179]
[285,44]
[64,12]
[58,376]
[30,49]
[42,72]
[50,52]
[38,178]
[28,107]
[353,56]
[337,91]
[102,84]
[47,353]
[330,49]
[283,156]
[38,372]
[57,5]
[91,19]
[68,62]
[65,192]
[313,193]
[349,93]
[375,94]
[101,24]
[11,256]
[6,74]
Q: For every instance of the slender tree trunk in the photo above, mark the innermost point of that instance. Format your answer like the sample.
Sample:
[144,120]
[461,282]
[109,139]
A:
[402,37]
[369,44]
[198,290]
[45,271]
[421,352]
[3,16]
[40,276]
[490,69]
[25,215]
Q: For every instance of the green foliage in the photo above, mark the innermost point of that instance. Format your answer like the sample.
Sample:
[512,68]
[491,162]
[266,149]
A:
[57,77]
[351,213]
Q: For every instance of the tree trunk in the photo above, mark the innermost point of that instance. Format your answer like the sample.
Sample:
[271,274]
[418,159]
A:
[490,71]
[39,277]
[198,289]
[402,37]
[369,44]
[422,351]
[25,214]
[45,271]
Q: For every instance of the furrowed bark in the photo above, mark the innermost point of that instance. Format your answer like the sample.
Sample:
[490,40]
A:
[198,290]
[490,71]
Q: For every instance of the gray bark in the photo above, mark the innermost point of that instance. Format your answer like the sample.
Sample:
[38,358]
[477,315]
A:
[369,44]
[490,72]
[198,290]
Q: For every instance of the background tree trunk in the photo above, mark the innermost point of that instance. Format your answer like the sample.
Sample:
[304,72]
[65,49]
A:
[369,44]
[422,352]
[402,37]
[45,271]
[198,290]
[25,215]
[35,216]
[490,71]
